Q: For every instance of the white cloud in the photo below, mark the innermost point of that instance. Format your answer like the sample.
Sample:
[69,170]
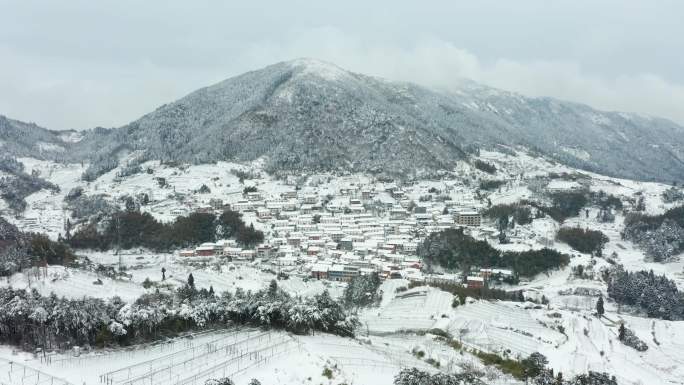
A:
[437,63]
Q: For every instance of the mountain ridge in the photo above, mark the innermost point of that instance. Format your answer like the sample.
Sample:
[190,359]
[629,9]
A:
[307,114]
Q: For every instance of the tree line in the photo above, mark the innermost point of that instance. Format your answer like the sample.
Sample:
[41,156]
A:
[660,236]
[583,240]
[532,369]
[517,212]
[132,228]
[30,320]
[453,249]
[564,204]
[19,250]
[484,166]
[655,295]
[461,292]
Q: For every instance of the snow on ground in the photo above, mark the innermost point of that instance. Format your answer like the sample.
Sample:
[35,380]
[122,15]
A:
[45,209]
[592,344]
[565,331]
[400,313]
[72,283]
[497,327]
[627,253]
[208,272]
[272,357]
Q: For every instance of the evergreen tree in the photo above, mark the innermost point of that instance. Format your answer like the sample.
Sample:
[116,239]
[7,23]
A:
[502,223]
[273,288]
[521,296]
[657,296]
[130,204]
[191,281]
[621,332]
[535,364]
[67,234]
[599,307]
[559,379]
[502,237]
[163,271]
[362,290]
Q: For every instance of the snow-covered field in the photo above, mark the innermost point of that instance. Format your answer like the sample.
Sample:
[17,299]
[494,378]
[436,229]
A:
[242,354]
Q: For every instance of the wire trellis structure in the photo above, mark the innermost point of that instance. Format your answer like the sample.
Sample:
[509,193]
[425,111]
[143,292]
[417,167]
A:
[14,373]
[185,341]
[224,357]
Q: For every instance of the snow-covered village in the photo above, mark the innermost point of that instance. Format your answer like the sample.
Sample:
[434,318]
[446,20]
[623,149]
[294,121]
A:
[349,193]
[248,289]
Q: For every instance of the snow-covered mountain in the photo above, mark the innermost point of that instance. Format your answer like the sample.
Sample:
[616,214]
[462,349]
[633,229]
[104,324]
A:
[308,114]
[28,139]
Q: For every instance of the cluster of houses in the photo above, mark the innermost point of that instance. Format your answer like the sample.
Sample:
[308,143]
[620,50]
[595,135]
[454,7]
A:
[338,237]
[478,279]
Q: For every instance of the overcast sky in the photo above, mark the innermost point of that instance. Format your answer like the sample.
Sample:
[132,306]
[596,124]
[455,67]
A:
[80,64]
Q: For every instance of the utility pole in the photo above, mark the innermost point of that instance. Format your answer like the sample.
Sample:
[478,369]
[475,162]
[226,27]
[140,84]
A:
[118,241]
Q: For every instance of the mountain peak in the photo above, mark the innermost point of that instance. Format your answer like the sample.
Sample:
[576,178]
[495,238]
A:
[320,68]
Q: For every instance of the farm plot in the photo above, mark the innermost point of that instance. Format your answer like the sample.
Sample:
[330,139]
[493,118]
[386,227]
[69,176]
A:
[363,363]
[416,309]
[224,356]
[298,287]
[496,327]
[245,277]
[503,316]
[72,283]
[14,373]
[107,359]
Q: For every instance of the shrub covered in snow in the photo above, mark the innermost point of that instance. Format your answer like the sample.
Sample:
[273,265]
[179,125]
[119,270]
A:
[630,339]
[219,381]
[415,376]
[582,240]
[593,378]
[542,376]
